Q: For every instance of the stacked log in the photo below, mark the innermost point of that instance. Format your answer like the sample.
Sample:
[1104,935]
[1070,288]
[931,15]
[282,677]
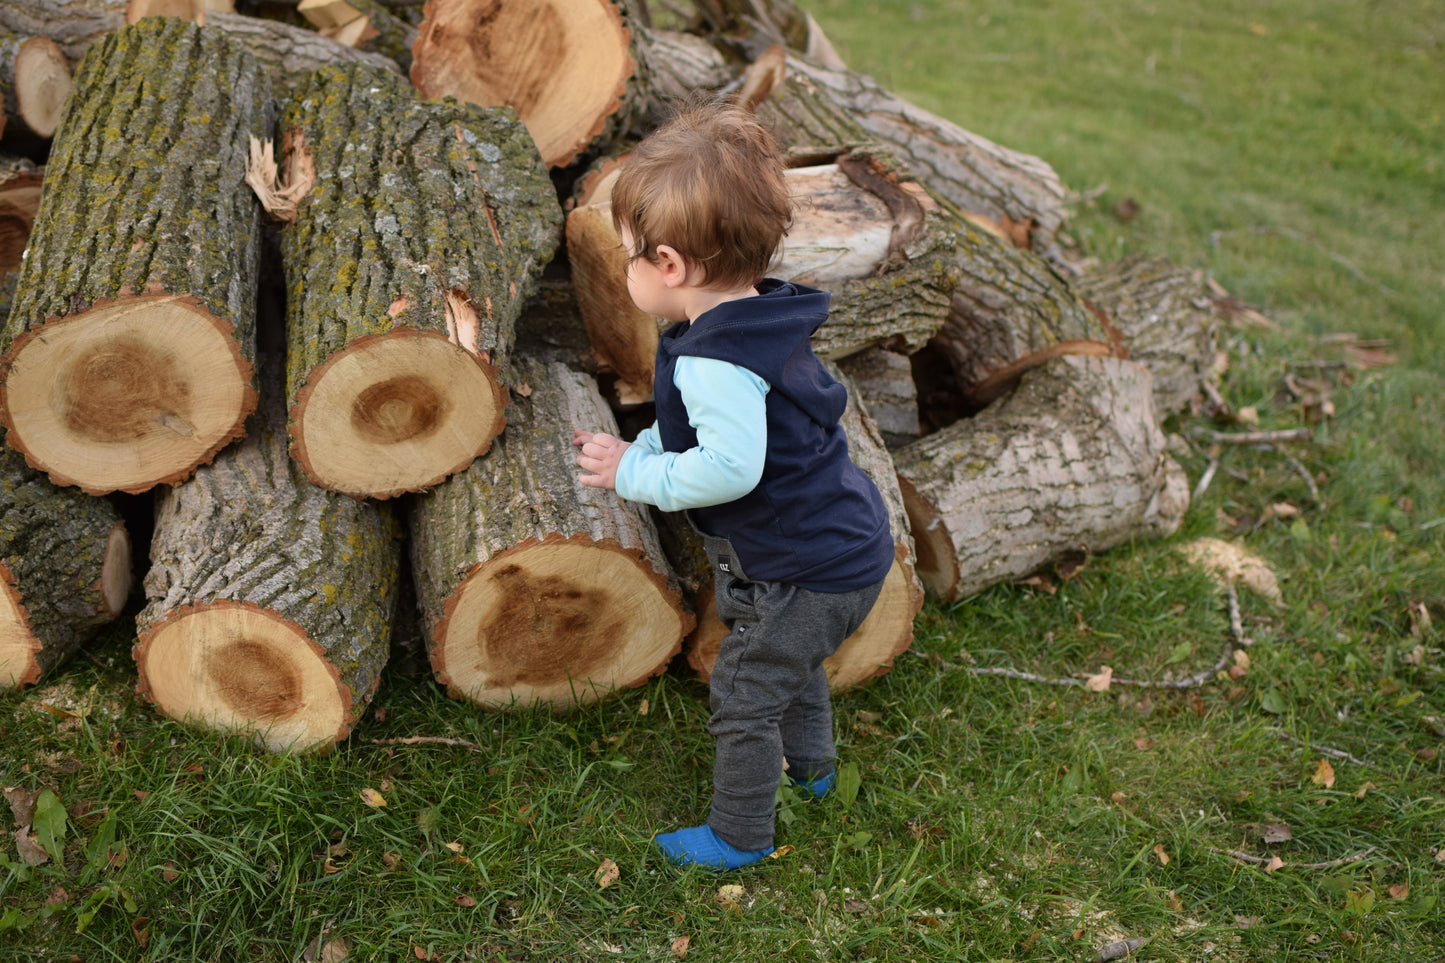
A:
[537,589]
[35,78]
[270,600]
[408,261]
[127,356]
[20,182]
[65,571]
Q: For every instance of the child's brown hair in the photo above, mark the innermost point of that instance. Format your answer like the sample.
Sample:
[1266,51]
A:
[710,184]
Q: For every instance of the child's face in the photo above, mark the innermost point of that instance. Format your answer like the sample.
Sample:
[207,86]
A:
[648,286]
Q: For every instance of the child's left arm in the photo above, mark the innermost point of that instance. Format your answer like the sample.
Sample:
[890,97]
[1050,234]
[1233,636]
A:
[600,455]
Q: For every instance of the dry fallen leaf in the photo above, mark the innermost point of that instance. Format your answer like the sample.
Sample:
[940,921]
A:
[607,874]
[1360,793]
[22,804]
[1228,562]
[334,951]
[679,947]
[730,896]
[1163,856]
[1276,833]
[1399,891]
[1274,864]
[373,798]
[30,852]
[465,901]
[1324,774]
[1100,682]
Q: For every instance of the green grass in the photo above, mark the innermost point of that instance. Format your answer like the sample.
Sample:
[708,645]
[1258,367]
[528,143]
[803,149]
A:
[1294,151]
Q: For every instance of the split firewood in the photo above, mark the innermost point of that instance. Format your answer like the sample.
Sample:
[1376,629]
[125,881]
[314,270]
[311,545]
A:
[536,588]
[411,255]
[1165,316]
[270,601]
[128,352]
[20,183]
[364,24]
[875,241]
[138,10]
[887,632]
[65,571]
[74,24]
[35,77]
[1073,459]
[565,66]
[288,52]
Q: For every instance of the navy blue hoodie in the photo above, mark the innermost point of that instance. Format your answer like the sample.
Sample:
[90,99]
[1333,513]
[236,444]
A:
[815,520]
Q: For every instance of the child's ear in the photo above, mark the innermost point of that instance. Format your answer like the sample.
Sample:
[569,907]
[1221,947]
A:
[672,264]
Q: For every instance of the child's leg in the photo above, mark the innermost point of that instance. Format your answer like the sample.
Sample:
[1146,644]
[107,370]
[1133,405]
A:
[807,731]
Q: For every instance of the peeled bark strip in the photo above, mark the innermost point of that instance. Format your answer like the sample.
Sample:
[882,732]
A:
[1019,192]
[407,266]
[887,632]
[35,77]
[65,571]
[20,183]
[565,66]
[289,53]
[1073,459]
[270,601]
[876,242]
[1011,311]
[1165,316]
[128,354]
[535,588]
[74,24]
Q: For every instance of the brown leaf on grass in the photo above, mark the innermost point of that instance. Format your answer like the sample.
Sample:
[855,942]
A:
[58,896]
[22,804]
[1440,856]
[29,848]
[678,949]
[853,905]
[1229,562]
[140,929]
[1275,833]
[607,874]
[1274,864]
[1246,922]
[1399,891]
[1100,682]
[465,901]
[168,872]
[730,896]
[1427,755]
[1324,774]
[373,798]
[1163,856]
[335,951]
[1041,582]
[1363,790]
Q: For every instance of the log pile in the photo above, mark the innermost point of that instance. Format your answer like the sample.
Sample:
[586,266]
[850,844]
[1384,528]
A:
[337,294]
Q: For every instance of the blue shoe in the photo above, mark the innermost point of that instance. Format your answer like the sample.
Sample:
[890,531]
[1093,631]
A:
[700,846]
[817,788]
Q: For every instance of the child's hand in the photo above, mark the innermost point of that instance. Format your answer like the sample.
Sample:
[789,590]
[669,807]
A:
[601,454]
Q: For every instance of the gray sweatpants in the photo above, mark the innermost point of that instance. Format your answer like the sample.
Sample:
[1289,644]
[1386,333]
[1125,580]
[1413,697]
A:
[769,693]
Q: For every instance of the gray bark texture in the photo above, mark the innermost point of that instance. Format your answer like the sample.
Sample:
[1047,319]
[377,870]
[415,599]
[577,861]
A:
[287,52]
[523,501]
[53,553]
[74,24]
[250,531]
[1073,459]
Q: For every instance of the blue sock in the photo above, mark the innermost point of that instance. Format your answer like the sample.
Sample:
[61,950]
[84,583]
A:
[817,788]
[700,846]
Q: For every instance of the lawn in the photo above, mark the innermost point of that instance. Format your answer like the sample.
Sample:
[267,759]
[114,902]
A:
[1291,806]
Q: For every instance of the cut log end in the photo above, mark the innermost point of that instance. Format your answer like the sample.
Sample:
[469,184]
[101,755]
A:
[395,413]
[557,622]
[126,395]
[42,81]
[236,668]
[115,571]
[18,645]
[563,65]
[864,655]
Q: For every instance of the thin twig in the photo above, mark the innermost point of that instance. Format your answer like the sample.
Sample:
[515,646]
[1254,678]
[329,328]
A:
[1119,950]
[1330,864]
[1203,484]
[427,741]
[1304,473]
[1258,437]
[1024,676]
[1322,750]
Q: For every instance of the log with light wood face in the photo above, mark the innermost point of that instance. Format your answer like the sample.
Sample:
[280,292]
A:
[563,65]
[35,79]
[128,350]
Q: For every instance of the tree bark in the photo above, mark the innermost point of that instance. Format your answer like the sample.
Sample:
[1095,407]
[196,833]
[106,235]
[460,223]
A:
[65,571]
[35,77]
[270,601]
[1165,316]
[1019,192]
[1073,459]
[886,633]
[884,380]
[289,53]
[537,589]
[74,24]
[876,242]
[20,183]
[409,261]
[565,66]
[364,24]
[128,353]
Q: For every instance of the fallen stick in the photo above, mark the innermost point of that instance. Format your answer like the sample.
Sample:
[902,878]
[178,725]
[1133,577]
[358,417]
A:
[1120,949]
[1329,864]
[1322,750]
[426,741]
[1258,437]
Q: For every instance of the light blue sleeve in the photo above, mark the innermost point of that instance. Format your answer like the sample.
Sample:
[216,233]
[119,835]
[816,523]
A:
[726,406]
